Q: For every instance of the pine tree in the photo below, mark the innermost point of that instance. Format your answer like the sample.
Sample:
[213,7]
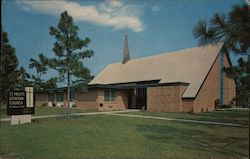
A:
[68,51]
[23,77]
[9,63]
[233,30]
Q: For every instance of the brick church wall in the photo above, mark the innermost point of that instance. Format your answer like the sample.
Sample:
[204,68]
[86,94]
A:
[187,105]
[210,90]
[164,98]
[229,86]
[41,99]
[87,100]
[121,102]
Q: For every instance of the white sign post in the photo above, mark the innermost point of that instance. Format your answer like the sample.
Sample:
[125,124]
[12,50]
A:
[24,118]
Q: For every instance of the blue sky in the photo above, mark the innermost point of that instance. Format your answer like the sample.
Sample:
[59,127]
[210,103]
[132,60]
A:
[153,26]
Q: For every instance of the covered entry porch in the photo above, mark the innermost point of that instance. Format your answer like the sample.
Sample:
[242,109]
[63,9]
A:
[137,98]
[130,95]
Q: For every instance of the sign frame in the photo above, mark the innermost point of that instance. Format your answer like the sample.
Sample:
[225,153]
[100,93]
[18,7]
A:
[20,109]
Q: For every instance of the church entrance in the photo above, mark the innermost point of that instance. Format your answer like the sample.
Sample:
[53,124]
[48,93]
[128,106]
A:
[137,98]
[141,98]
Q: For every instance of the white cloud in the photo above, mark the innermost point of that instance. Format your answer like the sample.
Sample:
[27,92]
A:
[108,13]
[155,8]
[247,2]
[115,3]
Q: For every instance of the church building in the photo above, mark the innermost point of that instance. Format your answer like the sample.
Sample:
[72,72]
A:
[189,80]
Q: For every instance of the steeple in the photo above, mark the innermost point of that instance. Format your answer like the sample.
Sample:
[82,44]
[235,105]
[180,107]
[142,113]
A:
[126,57]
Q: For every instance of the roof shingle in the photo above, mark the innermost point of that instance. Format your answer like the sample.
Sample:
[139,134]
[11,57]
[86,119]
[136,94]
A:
[188,66]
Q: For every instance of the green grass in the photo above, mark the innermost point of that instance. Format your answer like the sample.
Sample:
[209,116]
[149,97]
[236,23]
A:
[237,116]
[112,137]
[44,110]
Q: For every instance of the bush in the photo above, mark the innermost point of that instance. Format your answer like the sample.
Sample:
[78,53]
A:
[217,103]
[45,104]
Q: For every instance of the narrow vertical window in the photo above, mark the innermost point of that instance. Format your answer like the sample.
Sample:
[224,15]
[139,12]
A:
[106,95]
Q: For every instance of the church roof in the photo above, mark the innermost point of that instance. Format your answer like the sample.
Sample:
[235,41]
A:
[187,66]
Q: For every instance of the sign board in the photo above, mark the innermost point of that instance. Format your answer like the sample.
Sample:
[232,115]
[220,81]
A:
[20,102]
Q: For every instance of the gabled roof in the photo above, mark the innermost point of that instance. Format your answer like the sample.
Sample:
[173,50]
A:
[188,66]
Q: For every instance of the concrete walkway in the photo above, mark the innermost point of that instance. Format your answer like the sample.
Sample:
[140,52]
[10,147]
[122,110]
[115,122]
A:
[74,114]
[116,113]
[181,120]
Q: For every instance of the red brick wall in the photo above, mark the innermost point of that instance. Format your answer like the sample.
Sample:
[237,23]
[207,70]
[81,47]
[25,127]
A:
[229,86]
[182,105]
[164,98]
[121,102]
[210,90]
[41,99]
[87,100]
[187,105]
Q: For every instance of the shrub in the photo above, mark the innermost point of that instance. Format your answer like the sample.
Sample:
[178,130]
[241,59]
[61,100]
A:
[45,104]
[217,103]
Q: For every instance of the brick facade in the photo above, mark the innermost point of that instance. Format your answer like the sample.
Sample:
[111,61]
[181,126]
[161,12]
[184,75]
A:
[165,98]
[41,99]
[87,100]
[168,98]
[121,102]
[210,90]
[187,105]
[229,86]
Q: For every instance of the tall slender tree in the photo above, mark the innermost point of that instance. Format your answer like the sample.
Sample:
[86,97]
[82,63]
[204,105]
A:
[233,30]
[23,77]
[41,68]
[8,69]
[69,50]
[39,65]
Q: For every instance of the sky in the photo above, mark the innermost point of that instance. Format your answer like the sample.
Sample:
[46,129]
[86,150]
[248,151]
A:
[153,26]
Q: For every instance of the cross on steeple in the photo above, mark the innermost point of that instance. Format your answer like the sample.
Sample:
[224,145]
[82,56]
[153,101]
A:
[126,57]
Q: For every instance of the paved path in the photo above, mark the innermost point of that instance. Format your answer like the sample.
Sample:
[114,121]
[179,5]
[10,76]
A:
[181,120]
[116,113]
[75,114]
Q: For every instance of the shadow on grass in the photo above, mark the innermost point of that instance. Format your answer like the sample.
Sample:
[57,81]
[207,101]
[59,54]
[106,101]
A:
[193,139]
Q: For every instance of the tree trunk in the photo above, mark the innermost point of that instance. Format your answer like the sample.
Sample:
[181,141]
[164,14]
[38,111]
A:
[68,96]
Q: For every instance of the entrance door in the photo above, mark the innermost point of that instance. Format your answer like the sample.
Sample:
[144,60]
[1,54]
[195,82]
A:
[141,98]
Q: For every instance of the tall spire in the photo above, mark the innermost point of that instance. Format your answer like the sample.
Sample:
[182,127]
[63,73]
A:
[126,57]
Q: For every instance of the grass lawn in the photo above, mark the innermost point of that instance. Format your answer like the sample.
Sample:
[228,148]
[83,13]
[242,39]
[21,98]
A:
[115,137]
[44,110]
[234,115]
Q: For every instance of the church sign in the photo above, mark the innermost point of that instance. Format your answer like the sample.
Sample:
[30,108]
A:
[20,102]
